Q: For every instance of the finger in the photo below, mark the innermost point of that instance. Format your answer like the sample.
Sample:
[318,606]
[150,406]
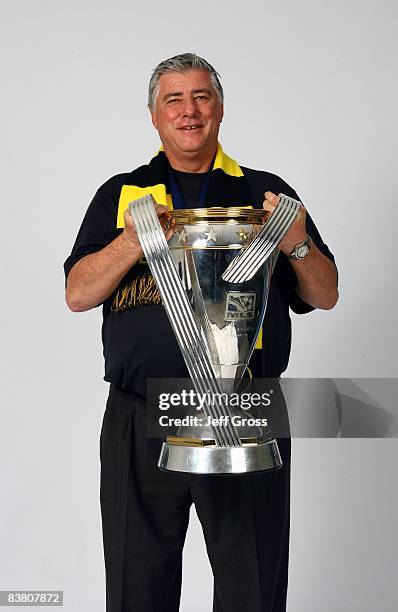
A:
[161,209]
[268,207]
[169,232]
[271,197]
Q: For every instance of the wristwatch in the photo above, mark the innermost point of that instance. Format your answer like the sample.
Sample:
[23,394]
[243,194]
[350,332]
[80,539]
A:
[301,249]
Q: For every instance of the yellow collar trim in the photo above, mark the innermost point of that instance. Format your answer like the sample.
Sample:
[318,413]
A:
[226,163]
[129,193]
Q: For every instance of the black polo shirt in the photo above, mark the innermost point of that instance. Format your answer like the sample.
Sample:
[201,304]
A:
[139,343]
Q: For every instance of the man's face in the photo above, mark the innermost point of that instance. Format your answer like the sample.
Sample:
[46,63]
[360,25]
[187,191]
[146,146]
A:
[187,114]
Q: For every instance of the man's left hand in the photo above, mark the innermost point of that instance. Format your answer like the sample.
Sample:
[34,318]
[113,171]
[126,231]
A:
[316,274]
[297,231]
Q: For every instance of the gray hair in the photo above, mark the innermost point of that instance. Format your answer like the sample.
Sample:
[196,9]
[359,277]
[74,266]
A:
[182,63]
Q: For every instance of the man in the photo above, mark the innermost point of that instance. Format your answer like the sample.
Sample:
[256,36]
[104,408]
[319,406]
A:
[145,512]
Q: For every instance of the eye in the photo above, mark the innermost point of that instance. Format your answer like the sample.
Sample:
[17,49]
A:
[201,97]
[173,100]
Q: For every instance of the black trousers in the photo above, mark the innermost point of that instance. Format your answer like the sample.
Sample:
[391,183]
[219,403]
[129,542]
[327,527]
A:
[145,513]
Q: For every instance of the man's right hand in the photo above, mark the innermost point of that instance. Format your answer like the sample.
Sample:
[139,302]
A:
[130,232]
[94,277]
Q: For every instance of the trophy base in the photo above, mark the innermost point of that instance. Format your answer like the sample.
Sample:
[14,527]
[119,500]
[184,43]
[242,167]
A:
[205,458]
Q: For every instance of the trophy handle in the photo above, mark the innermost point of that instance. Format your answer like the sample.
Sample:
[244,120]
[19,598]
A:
[247,263]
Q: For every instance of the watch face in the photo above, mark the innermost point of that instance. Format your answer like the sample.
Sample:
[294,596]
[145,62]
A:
[302,251]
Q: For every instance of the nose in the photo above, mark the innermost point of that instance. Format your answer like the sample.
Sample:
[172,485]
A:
[190,107]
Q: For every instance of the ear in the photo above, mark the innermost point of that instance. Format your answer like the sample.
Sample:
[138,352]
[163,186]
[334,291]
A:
[221,112]
[154,119]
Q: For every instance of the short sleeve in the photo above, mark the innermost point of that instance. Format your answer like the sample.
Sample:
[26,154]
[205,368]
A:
[298,305]
[98,227]
[284,274]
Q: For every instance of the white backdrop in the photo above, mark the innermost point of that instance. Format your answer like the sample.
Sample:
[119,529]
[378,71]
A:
[311,95]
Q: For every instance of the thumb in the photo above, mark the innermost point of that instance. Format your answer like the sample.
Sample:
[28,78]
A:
[127,216]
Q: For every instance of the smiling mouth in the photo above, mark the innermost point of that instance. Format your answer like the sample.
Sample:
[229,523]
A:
[190,127]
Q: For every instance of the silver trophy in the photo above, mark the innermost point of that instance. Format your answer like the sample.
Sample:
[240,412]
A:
[214,276]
